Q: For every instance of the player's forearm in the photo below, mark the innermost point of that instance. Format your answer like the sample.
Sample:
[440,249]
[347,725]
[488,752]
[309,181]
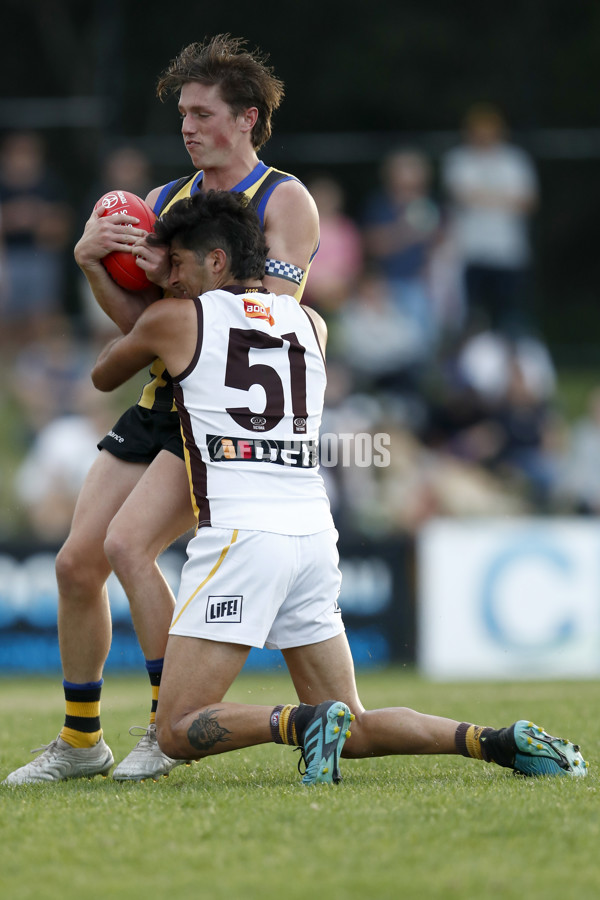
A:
[116,364]
[102,377]
[123,307]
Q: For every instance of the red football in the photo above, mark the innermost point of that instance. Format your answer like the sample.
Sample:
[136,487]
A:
[120,264]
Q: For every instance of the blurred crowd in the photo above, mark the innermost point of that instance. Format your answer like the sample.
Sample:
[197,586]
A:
[433,342]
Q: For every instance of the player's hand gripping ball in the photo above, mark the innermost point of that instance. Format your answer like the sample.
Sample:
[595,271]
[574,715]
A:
[121,264]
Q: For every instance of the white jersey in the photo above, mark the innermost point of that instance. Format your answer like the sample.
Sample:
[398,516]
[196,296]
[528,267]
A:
[250,404]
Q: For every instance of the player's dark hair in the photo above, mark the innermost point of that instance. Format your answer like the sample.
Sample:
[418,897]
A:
[243,76]
[216,219]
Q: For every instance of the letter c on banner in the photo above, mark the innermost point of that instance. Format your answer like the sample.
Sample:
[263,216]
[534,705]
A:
[552,558]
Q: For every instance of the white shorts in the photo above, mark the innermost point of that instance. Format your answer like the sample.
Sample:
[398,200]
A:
[260,589]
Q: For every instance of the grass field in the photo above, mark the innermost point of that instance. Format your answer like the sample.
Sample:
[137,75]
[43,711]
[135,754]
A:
[241,825]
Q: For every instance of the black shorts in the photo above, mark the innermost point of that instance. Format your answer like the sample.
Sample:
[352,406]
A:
[140,435]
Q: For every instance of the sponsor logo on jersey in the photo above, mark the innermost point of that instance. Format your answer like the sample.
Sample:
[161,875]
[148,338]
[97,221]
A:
[224,608]
[254,309]
[297,454]
[299,425]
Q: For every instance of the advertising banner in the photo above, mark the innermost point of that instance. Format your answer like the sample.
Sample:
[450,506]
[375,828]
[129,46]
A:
[509,599]
[375,601]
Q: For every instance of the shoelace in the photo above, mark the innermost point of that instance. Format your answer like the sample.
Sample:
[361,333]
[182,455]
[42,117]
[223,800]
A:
[301,760]
[139,730]
[145,736]
[45,747]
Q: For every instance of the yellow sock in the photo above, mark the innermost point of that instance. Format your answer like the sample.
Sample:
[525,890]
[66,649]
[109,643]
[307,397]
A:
[82,714]
[155,690]
[468,740]
[283,726]
[154,668]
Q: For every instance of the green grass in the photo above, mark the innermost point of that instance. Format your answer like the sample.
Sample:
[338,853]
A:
[574,388]
[241,825]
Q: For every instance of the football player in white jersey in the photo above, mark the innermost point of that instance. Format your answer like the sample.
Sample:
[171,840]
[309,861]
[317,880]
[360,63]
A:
[262,567]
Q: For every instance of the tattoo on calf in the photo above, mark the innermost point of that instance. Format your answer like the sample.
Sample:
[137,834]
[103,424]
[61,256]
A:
[205,731]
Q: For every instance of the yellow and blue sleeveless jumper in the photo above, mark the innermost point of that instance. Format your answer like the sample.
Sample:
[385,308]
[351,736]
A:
[258,185]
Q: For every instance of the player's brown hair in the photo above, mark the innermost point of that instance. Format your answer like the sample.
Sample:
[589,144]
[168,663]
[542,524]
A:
[243,76]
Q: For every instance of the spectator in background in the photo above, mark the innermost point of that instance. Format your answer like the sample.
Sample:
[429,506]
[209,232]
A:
[401,228]
[500,414]
[123,168]
[530,431]
[414,483]
[49,479]
[35,228]
[338,263]
[3,275]
[421,484]
[47,375]
[492,190]
[126,168]
[380,343]
[579,484]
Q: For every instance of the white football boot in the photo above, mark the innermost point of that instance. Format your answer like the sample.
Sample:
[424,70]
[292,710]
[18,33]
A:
[59,762]
[146,760]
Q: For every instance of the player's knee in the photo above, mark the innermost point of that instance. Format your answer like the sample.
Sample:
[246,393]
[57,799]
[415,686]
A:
[170,741]
[123,550]
[112,550]
[75,569]
[118,549]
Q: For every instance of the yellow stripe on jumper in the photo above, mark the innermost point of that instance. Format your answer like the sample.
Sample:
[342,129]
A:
[149,390]
[212,572]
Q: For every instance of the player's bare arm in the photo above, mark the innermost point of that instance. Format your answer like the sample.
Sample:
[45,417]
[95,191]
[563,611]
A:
[102,235]
[291,231]
[320,326]
[167,329]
